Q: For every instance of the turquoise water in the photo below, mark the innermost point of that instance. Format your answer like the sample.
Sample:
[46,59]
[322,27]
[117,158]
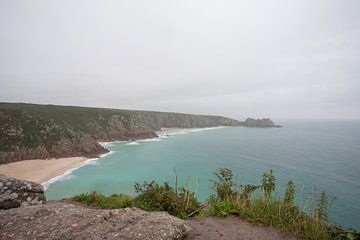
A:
[320,155]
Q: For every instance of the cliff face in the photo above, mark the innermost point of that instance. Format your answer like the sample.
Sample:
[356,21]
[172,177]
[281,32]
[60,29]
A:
[29,131]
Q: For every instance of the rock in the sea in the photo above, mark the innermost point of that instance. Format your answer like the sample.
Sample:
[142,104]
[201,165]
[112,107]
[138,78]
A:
[261,123]
[15,193]
[60,220]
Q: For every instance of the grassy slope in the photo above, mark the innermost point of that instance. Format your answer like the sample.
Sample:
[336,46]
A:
[32,125]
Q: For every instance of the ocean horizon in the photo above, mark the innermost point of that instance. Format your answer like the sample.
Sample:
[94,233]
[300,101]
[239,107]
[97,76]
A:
[317,155]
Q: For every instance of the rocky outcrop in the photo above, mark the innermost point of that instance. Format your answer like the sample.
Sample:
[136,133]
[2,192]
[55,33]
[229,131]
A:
[59,220]
[15,193]
[259,123]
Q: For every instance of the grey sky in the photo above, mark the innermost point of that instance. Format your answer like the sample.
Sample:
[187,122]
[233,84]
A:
[279,59]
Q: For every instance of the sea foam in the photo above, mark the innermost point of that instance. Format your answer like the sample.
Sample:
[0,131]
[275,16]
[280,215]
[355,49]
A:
[150,140]
[68,174]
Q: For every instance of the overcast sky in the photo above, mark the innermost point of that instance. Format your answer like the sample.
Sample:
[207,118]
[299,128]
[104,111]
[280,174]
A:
[278,59]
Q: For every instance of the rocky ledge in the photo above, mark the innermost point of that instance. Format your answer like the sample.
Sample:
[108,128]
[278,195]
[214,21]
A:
[60,220]
[25,214]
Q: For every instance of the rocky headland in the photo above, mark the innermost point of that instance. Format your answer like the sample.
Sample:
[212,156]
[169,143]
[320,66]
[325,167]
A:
[260,123]
[32,131]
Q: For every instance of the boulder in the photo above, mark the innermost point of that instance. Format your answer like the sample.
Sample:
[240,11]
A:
[15,193]
[62,220]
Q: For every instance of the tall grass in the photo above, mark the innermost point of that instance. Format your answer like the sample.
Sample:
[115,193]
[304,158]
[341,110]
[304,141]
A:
[268,209]
[255,203]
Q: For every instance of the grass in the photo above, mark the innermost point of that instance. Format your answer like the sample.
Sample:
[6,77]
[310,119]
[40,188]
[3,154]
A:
[98,200]
[152,197]
[255,203]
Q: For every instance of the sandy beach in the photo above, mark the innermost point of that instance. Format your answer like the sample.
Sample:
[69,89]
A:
[40,170]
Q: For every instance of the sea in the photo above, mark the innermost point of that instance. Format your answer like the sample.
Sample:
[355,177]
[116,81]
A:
[317,155]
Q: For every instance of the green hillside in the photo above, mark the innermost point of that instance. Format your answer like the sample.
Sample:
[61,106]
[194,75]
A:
[30,131]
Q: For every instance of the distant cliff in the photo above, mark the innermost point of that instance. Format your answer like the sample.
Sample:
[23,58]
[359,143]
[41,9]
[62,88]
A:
[261,123]
[29,131]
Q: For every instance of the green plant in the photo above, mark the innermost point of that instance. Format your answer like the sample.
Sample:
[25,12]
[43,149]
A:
[265,209]
[98,200]
[162,197]
[290,194]
[224,184]
[268,183]
[321,207]
[223,209]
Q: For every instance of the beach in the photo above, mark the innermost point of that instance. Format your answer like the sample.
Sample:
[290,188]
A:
[41,170]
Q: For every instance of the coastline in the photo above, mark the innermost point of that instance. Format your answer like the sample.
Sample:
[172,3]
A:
[48,171]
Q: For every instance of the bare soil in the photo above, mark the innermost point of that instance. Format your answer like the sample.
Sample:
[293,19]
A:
[232,228]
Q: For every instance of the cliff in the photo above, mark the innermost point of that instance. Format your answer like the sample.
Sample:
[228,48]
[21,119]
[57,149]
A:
[33,131]
[30,131]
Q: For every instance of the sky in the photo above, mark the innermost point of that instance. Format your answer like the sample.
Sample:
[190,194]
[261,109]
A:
[277,59]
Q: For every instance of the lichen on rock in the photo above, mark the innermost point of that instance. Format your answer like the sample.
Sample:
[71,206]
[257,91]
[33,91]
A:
[15,193]
[60,220]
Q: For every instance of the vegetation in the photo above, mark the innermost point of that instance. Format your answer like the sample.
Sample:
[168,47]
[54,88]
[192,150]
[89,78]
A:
[162,197]
[98,200]
[28,126]
[152,197]
[255,203]
[265,208]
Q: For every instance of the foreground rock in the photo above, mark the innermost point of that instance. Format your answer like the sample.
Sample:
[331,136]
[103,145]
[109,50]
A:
[59,220]
[15,193]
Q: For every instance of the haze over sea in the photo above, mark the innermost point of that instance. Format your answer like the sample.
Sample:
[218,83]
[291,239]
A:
[316,154]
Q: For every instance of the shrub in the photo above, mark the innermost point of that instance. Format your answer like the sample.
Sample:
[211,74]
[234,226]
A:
[224,184]
[268,183]
[162,197]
